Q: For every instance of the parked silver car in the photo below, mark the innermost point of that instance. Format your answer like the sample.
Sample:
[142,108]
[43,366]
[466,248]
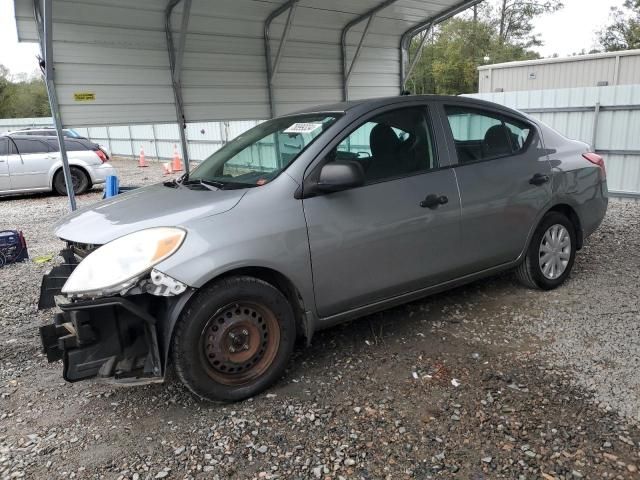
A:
[309,220]
[30,163]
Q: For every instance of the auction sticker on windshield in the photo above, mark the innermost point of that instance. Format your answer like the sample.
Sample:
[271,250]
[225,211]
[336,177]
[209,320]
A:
[303,127]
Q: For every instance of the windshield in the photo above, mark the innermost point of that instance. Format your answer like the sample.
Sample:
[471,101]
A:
[257,156]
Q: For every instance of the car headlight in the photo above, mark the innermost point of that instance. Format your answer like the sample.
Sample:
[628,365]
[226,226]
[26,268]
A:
[119,264]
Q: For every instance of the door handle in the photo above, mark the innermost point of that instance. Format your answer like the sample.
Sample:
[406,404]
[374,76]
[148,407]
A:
[433,201]
[539,179]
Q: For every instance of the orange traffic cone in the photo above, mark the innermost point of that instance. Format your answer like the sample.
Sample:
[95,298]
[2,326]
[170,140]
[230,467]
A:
[177,163]
[142,162]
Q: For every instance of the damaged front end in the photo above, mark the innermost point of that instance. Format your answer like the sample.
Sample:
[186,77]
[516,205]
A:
[109,337]
[120,333]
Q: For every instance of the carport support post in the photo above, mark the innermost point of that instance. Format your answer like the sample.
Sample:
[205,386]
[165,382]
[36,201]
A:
[272,68]
[594,132]
[53,99]
[348,69]
[175,64]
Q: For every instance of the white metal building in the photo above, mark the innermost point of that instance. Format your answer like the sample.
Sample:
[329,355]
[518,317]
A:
[602,69]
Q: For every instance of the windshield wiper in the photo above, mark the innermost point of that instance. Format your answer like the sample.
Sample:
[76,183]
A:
[171,183]
[205,183]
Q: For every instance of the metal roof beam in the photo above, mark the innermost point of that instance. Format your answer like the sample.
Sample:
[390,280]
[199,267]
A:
[348,69]
[405,40]
[272,68]
[175,64]
[44,21]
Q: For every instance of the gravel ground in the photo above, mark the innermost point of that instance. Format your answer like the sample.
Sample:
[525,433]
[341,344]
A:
[486,381]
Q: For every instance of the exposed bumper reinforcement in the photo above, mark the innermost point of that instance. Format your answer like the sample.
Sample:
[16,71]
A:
[53,281]
[111,337]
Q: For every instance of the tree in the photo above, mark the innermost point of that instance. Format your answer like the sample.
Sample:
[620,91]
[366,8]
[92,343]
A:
[501,31]
[514,20]
[449,63]
[24,96]
[623,33]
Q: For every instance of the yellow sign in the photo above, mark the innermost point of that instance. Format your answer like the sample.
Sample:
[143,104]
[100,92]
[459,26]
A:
[84,97]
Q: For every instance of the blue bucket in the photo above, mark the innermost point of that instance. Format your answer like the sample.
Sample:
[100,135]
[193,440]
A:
[111,188]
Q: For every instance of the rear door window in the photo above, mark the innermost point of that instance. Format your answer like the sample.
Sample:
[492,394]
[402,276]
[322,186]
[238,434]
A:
[483,135]
[4,146]
[28,146]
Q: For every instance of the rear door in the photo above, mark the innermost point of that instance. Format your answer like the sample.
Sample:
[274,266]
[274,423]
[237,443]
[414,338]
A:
[504,177]
[29,169]
[5,183]
[377,241]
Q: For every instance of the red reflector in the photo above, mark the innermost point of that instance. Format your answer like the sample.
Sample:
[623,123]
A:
[23,241]
[596,160]
[102,155]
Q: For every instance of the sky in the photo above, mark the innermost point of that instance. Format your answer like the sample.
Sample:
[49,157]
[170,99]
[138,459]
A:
[568,31]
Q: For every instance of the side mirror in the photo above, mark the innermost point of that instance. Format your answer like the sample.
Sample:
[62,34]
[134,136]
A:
[338,176]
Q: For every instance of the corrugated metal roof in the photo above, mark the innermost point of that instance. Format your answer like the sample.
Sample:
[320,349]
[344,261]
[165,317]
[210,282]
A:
[117,50]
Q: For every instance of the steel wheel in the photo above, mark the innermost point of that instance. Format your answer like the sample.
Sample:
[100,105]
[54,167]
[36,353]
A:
[554,251]
[239,343]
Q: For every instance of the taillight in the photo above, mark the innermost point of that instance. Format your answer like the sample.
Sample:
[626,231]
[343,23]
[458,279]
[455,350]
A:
[102,155]
[596,160]
[23,241]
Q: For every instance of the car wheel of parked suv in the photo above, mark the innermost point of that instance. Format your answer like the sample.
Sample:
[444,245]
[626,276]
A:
[78,177]
[551,253]
[234,339]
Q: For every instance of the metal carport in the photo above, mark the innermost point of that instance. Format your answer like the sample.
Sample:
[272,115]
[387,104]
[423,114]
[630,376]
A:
[151,61]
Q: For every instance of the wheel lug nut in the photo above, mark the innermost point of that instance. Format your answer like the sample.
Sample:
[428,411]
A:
[245,332]
[246,347]
[232,350]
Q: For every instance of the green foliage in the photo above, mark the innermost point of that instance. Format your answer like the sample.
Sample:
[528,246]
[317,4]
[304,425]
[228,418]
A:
[496,32]
[623,33]
[448,65]
[22,96]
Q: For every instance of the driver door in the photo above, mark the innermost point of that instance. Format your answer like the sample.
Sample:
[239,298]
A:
[377,241]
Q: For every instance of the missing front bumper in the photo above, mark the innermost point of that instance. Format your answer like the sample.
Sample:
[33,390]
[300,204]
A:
[110,338]
[54,280]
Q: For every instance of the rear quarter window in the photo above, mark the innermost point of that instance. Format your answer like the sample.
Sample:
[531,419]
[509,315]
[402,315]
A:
[71,145]
[482,134]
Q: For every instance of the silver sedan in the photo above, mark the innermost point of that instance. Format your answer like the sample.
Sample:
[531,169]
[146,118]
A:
[309,220]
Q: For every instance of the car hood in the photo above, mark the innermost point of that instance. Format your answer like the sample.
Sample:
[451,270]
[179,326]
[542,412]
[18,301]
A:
[153,206]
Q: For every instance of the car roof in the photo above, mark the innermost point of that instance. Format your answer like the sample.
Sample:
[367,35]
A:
[47,138]
[17,136]
[373,103]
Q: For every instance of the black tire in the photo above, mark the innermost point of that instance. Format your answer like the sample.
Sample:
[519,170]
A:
[80,179]
[529,272]
[243,315]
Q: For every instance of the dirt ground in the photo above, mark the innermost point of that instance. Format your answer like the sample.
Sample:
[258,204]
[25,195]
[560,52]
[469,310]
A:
[486,381]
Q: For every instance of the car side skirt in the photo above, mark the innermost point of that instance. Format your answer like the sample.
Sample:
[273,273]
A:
[381,305]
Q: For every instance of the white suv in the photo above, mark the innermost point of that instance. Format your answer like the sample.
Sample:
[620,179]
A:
[30,163]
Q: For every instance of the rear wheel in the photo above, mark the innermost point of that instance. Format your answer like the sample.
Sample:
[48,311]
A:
[234,340]
[79,179]
[551,253]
